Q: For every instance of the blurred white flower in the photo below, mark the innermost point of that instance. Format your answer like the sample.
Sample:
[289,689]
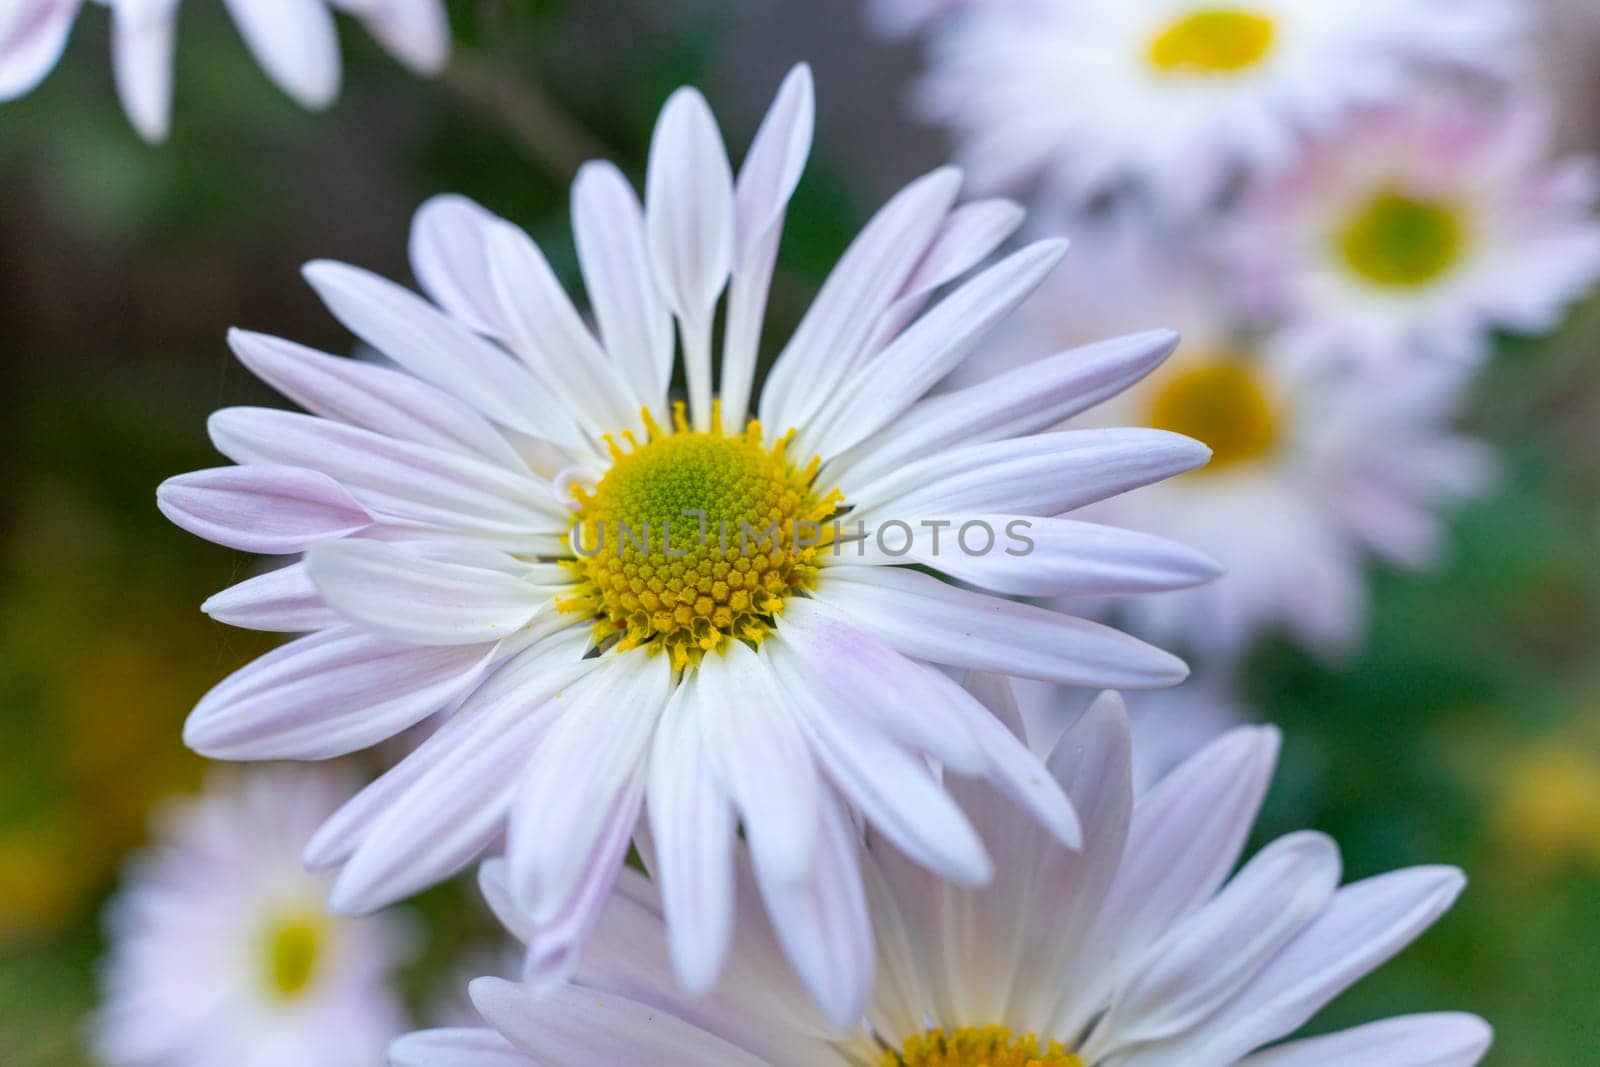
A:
[1314,463]
[221,948]
[1139,951]
[487,530]
[1178,97]
[1421,228]
[295,41]
[897,18]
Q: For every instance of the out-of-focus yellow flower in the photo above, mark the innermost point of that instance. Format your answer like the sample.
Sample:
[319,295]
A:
[1548,811]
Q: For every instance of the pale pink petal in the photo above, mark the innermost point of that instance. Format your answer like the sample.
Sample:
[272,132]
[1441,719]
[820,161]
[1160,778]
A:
[282,600]
[296,43]
[1445,1039]
[272,510]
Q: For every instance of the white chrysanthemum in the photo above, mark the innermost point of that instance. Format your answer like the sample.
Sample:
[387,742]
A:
[1315,464]
[222,951]
[1422,228]
[295,41]
[1177,97]
[1138,951]
[487,530]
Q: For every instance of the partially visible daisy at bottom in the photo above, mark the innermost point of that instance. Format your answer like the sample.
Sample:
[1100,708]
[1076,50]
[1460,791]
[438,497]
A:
[1136,952]
[222,951]
[1422,228]
[1317,464]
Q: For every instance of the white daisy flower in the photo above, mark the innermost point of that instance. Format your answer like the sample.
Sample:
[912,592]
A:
[295,42]
[1138,951]
[1422,228]
[1315,465]
[735,617]
[1178,97]
[222,951]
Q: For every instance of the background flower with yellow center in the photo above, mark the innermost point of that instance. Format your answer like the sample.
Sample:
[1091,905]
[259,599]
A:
[444,511]
[221,950]
[1421,229]
[1138,951]
[1178,99]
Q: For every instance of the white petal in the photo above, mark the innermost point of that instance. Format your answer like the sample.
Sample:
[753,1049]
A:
[33,35]
[927,619]
[438,349]
[822,923]
[762,759]
[930,349]
[275,511]
[1210,954]
[835,331]
[416,32]
[396,480]
[373,397]
[547,332]
[1031,398]
[456,1048]
[1444,1039]
[328,694]
[578,772]
[766,182]
[689,215]
[691,821]
[1039,557]
[1366,924]
[451,263]
[578,1027]
[891,787]
[142,44]
[1045,474]
[296,43]
[282,600]
[395,591]
[635,325]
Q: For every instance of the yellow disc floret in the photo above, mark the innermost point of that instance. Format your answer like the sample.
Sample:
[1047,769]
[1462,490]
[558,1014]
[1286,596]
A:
[1213,41]
[1220,402]
[1400,241]
[979,1046]
[693,539]
[292,945]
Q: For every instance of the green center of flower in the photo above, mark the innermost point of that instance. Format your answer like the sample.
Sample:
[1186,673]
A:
[978,1046]
[692,539]
[1213,41]
[1221,402]
[1401,241]
[292,951]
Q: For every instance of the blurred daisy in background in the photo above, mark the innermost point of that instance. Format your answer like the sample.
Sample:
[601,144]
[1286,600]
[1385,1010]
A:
[296,42]
[1421,228]
[897,18]
[1179,97]
[1137,951]
[472,535]
[221,948]
[1314,464]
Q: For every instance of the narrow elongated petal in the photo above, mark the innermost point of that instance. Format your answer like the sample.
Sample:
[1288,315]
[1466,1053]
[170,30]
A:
[689,213]
[328,694]
[401,594]
[33,34]
[266,509]
[283,600]
[143,39]
[459,1047]
[451,263]
[1444,1039]
[416,32]
[925,618]
[969,234]
[296,43]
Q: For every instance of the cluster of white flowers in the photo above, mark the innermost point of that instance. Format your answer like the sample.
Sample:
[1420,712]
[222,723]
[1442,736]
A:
[848,855]
[1337,203]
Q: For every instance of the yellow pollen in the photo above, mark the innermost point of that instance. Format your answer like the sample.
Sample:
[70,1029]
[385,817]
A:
[1402,241]
[979,1046]
[292,948]
[1220,402]
[693,538]
[1213,41]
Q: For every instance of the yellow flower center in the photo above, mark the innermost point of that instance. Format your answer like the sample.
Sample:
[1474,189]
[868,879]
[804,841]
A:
[292,950]
[1221,402]
[695,538]
[1402,241]
[978,1046]
[1213,41]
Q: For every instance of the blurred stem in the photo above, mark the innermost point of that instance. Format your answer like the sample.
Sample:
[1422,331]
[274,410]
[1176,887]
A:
[522,108]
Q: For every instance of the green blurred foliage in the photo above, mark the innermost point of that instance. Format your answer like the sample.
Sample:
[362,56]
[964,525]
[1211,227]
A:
[133,261]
